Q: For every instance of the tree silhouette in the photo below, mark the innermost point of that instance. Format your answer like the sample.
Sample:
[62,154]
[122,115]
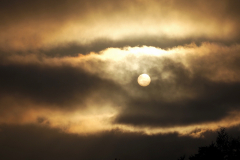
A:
[182,157]
[225,148]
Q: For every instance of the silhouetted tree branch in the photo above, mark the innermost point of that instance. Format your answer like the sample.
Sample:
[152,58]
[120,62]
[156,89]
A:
[182,157]
[225,148]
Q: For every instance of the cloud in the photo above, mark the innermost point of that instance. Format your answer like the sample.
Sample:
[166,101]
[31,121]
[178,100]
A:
[25,142]
[55,85]
[49,24]
[55,144]
[69,69]
[201,89]
[192,86]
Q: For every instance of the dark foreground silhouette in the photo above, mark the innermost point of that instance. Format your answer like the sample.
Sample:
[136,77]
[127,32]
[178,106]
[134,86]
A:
[225,148]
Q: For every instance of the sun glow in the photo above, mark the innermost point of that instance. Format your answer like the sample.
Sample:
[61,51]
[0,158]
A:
[144,80]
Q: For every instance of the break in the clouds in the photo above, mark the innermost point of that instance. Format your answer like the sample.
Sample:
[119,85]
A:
[69,69]
[192,86]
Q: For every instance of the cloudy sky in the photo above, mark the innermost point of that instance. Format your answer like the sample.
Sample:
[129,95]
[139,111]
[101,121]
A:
[69,70]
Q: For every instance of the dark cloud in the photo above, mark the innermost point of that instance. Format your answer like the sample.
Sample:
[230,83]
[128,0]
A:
[40,38]
[44,20]
[38,142]
[74,49]
[60,86]
[185,98]
[63,8]
[13,11]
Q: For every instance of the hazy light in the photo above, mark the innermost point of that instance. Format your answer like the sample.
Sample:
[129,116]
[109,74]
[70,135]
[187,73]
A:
[144,80]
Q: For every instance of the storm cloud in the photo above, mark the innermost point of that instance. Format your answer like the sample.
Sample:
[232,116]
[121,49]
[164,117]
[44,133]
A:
[69,70]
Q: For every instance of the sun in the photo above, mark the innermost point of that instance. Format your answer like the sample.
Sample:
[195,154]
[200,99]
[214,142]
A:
[144,80]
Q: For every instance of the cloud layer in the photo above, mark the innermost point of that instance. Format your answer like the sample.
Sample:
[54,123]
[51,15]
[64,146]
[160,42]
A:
[48,24]
[69,69]
[191,86]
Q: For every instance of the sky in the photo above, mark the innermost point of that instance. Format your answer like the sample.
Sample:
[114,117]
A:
[69,70]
